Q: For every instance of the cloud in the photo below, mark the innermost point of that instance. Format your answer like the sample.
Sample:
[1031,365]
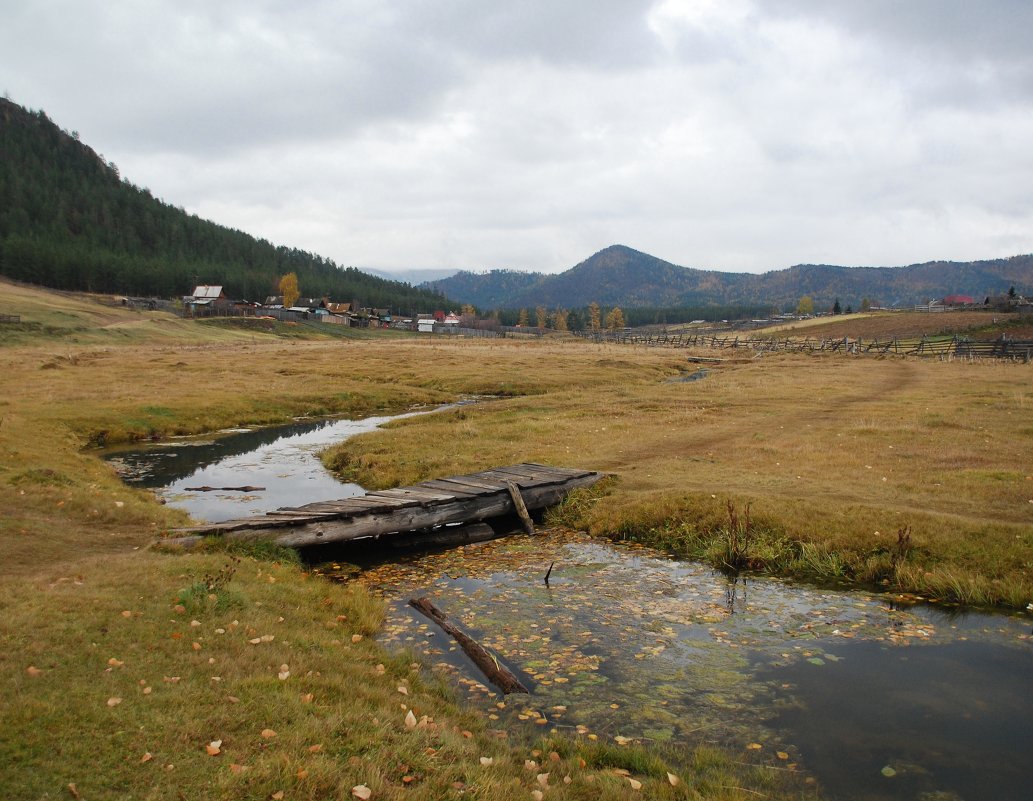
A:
[728,134]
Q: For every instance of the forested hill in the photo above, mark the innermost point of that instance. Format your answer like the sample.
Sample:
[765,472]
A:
[619,275]
[69,221]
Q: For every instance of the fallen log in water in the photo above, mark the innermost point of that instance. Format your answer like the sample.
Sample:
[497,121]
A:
[497,673]
[224,489]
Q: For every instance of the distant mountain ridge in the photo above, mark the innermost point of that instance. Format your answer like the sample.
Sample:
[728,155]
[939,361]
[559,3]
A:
[621,276]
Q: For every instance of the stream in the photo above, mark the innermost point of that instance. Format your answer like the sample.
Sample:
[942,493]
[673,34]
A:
[868,696]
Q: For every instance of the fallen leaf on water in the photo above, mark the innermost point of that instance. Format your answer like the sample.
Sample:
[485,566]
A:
[214,748]
[361,791]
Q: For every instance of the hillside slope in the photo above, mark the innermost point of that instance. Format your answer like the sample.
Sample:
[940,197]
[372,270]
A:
[69,221]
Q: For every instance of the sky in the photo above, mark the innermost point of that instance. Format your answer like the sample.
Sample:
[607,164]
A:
[734,135]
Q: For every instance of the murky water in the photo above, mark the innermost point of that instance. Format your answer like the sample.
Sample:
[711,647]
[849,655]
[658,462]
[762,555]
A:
[872,700]
[280,464]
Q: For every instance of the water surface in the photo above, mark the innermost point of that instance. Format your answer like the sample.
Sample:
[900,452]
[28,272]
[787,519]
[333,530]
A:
[869,698]
[281,461]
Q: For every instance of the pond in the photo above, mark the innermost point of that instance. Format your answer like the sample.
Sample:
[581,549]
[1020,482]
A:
[864,695]
[869,698]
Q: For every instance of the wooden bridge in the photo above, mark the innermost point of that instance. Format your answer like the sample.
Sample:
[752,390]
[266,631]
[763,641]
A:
[418,511]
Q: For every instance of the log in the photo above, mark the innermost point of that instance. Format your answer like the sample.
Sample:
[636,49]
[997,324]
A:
[224,489]
[521,509]
[451,535]
[497,673]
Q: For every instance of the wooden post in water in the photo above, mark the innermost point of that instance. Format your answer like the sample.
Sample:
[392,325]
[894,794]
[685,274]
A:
[521,508]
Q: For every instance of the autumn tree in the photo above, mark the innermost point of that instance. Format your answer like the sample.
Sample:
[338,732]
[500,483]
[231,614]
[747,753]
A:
[289,289]
[540,317]
[805,306]
[615,319]
[593,316]
[559,320]
[522,320]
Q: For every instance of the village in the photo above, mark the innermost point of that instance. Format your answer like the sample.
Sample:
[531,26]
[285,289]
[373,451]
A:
[211,301]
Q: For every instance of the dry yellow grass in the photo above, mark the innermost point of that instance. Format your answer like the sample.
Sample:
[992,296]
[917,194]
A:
[120,667]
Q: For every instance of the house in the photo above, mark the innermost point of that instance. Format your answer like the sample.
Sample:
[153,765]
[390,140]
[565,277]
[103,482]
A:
[451,319]
[425,323]
[958,300]
[206,296]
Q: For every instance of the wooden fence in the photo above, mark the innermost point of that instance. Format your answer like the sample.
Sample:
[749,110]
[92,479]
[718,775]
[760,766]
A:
[940,347]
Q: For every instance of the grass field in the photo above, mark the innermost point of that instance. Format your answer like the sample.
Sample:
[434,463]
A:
[121,666]
[128,673]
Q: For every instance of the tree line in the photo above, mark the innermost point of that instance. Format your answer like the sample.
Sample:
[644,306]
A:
[68,220]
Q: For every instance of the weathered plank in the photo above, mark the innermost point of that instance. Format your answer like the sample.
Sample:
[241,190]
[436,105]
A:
[375,523]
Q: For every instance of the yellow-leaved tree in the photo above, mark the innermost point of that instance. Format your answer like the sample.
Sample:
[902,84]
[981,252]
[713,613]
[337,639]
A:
[593,316]
[289,289]
[615,319]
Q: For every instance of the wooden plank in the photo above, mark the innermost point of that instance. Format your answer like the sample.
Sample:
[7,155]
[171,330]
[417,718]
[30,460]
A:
[445,485]
[476,480]
[414,493]
[406,519]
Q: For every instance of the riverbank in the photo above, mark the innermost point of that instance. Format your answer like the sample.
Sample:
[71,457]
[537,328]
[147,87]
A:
[808,441]
[238,674]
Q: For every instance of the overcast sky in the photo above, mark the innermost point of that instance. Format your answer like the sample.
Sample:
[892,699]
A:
[742,135]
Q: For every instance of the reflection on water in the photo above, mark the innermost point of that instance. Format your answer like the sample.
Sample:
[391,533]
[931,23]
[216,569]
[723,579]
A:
[872,700]
[281,462]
